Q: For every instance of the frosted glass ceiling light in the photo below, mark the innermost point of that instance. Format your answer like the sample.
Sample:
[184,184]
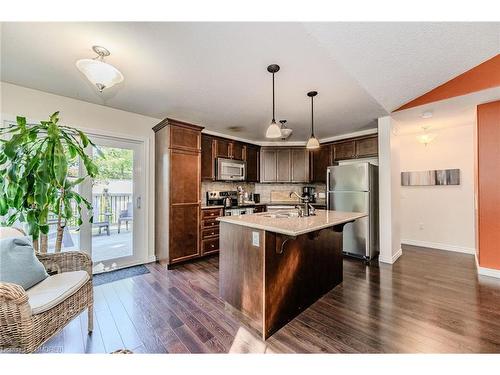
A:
[313,142]
[427,137]
[273,131]
[285,131]
[100,73]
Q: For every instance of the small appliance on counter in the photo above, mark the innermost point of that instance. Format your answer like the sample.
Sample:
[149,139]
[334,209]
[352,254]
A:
[256,197]
[308,191]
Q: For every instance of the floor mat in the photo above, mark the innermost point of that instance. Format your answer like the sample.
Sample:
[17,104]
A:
[108,277]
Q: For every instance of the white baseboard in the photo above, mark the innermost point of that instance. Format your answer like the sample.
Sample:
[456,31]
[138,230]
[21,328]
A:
[483,271]
[391,260]
[440,246]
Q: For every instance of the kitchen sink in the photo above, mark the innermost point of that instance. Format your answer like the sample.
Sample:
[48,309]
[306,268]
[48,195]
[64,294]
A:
[281,214]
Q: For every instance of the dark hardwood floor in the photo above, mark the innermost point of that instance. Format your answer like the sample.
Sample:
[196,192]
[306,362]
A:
[430,301]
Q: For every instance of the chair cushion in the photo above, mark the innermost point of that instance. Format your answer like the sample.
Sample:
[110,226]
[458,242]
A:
[55,289]
[18,263]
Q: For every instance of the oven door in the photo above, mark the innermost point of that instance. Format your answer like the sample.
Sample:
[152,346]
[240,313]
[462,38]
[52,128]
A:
[230,170]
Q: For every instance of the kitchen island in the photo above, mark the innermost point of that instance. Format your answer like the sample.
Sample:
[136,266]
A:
[274,265]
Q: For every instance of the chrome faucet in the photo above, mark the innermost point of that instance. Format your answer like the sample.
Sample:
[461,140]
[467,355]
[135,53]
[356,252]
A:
[308,210]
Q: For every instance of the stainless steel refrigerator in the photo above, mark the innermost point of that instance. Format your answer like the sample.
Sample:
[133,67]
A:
[354,188]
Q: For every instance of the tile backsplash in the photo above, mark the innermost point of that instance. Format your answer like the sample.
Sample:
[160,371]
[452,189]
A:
[263,189]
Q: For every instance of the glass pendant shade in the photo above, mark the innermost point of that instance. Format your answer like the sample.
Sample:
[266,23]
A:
[286,132]
[426,138]
[312,143]
[273,131]
[100,73]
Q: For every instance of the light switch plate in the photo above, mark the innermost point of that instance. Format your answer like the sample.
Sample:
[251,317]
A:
[255,238]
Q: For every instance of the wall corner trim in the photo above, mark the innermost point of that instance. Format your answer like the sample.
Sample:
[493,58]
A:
[392,260]
[483,271]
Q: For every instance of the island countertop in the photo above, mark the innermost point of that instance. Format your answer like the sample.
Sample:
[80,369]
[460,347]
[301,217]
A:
[292,226]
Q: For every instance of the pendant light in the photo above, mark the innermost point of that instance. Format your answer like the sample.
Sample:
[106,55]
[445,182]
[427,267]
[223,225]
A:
[273,131]
[313,142]
[100,73]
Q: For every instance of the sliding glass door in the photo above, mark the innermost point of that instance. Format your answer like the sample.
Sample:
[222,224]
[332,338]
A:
[116,237]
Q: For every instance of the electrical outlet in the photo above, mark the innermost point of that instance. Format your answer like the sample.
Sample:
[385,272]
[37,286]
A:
[421,226]
[255,238]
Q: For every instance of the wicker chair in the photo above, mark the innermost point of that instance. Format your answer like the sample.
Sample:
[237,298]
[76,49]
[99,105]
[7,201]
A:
[23,331]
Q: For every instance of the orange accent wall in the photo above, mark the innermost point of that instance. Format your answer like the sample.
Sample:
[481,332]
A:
[488,184]
[481,77]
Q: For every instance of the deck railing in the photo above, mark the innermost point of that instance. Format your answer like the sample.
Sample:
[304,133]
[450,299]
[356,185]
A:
[110,205]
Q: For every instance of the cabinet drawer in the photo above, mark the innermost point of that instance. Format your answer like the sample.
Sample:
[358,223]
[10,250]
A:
[208,233]
[211,213]
[207,246]
[209,223]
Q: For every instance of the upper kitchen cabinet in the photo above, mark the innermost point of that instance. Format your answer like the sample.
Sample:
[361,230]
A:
[215,147]
[362,147]
[320,160]
[268,165]
[284,167]
[207,158]
[300,164]
[252,158]
[284,164]
[367,147]
[344,150]
[222,148]
[237,150]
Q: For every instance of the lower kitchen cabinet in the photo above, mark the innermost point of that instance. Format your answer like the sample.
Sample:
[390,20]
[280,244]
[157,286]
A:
[209,230]
[184,233]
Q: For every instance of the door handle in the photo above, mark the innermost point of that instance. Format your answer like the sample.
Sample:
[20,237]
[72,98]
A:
[138,202]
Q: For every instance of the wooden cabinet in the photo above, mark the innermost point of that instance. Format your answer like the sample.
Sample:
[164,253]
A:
[344,150]
[184,227]
[363,147]
[252,157]
[367,147]
[177,191]
[207,158]
[320,160]
[237,150]
[209,231]
[284,164]
[300,165]
[222,148]
[284,167]
[215,147]
[268,165]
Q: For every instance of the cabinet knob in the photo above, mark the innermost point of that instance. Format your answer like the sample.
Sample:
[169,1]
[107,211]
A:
[212,245]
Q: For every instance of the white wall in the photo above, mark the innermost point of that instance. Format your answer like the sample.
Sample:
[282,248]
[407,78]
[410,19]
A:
[439,216]
[37,105]
[389,188]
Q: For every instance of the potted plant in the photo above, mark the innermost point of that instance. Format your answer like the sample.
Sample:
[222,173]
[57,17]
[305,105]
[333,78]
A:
[34,180]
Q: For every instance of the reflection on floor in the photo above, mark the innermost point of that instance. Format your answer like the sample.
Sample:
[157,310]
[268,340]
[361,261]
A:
[429,301]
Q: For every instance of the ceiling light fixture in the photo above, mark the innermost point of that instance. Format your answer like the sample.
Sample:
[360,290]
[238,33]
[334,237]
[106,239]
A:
[285,132]
[427,137]
[100,73]
[273,131]
[312,143]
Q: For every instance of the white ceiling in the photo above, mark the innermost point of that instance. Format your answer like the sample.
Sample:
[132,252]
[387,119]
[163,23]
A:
[215,74]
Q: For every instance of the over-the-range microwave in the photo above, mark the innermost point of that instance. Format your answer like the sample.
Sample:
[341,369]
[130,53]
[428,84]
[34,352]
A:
[230,170]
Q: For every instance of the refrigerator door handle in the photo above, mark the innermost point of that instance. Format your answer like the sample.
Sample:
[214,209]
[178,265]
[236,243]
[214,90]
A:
[328,172]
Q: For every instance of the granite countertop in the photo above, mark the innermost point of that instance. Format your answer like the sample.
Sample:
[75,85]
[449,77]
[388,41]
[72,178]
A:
[292,226]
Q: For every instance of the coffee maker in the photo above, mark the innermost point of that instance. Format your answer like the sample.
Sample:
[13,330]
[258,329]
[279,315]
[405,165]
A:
[308,191]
